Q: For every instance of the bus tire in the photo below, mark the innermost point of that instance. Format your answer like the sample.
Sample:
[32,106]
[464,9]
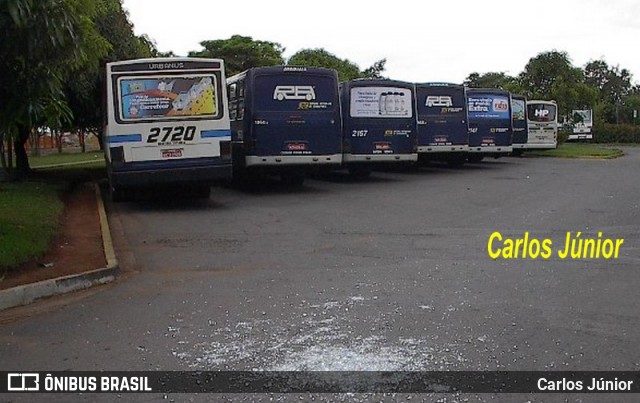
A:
[359,171]
[118,195]
[292,178]
[203,192]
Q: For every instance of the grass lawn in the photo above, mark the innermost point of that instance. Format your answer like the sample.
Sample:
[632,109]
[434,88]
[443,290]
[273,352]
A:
[579,150]
[29,214]
[30,211]
[92,158]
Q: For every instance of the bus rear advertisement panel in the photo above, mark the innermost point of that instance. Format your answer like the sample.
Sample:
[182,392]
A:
[164,97]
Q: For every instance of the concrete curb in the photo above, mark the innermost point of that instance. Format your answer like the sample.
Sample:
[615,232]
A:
[26,294]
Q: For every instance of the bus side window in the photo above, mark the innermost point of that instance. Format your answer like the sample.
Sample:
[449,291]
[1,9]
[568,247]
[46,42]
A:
[232,92]
[240,105]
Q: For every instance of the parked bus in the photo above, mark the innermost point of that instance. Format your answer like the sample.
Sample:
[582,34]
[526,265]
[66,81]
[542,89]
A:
[167,123]
[519,123]
[284,120]
[443,132]
[490,131]
[379,123]
[542,122]
[581,125]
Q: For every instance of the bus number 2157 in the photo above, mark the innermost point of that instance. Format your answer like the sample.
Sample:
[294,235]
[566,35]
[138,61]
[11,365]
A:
[171,134]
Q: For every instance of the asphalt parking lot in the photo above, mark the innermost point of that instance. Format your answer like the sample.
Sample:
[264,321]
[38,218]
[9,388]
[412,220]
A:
[390,273]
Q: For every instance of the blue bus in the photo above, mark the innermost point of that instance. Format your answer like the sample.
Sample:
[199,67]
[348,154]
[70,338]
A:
[443,132]
[490,131]
[284,120]
[378,123]
[166,124]
[519,123]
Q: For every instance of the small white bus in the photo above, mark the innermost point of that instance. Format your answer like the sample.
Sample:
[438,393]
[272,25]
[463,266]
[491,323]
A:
[166,124]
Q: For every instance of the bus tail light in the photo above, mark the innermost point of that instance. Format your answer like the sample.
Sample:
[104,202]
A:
[225,150]
[117,155]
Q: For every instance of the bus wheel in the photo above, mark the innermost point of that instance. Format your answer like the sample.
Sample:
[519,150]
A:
[359,171]
[457,162]
[292,178]
[203,192]
[517,153]
[118,195]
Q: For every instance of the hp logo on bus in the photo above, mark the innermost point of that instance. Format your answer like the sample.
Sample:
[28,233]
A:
[541,113]
[283,92]
[442,100]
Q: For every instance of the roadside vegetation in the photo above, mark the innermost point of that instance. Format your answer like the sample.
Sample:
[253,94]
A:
[29,217]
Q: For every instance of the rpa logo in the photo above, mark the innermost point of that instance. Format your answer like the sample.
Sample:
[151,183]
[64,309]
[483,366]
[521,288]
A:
[442,100]
[283,92]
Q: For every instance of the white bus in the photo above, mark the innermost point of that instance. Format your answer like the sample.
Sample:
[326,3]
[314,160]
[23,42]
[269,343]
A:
[166,124]
[582,125]
[542,123]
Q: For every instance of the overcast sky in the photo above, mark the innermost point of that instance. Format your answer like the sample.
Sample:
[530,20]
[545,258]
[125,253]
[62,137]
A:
[421,40]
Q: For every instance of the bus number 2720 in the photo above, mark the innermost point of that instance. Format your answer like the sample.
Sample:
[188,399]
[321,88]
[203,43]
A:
[171,134]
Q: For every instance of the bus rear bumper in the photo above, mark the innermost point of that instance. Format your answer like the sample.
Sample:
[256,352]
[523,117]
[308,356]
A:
[280,160]
[443,149]
[156,177]
[349,158]
[491,149]
[545,146]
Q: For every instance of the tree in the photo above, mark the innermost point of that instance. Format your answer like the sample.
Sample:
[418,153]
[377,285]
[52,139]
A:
[376,69]
[550,75]
[346,69]
[493,80]
[613,85]
[43,40]
[84,91]
[241,53]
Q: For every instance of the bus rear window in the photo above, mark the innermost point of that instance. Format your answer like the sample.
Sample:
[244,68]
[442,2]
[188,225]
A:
[159,98]
[288,93]
[517,109]
[541,112]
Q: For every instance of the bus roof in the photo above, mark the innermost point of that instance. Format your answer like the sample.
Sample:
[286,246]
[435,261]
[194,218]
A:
[282,69]
[438,84]
[539,101]
[372,82]
[486,91]
[165,64]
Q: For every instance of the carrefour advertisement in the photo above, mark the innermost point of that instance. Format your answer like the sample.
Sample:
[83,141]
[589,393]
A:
[161,97]
[380,102]
[488,107]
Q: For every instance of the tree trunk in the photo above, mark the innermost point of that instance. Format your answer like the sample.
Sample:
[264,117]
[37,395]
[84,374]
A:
[22,160]
[5,172]
[81,140]
[99,133]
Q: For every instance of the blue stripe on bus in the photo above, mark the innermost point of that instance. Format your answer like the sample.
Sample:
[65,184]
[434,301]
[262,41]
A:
[215,133]
[124,138]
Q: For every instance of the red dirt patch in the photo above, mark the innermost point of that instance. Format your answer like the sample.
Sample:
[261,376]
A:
[77,247]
